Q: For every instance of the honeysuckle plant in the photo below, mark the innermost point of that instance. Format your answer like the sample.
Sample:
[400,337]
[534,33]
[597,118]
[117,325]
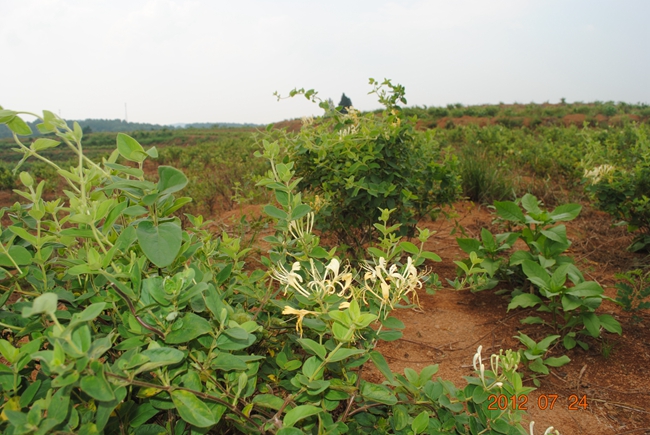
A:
[119,318]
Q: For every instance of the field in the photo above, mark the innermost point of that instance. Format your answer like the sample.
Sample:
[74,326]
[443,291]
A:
[478,176]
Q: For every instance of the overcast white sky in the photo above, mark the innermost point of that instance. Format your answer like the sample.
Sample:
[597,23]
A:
[174,61]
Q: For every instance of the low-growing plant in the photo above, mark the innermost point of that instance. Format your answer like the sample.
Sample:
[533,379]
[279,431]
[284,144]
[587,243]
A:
[544,267]
[118,319]
[482,179]
[546,242]
[633,291]
[533,356]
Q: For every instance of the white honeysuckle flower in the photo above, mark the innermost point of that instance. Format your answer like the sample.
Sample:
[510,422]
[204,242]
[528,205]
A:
[477,357]
[550,430]
[494,363]
[393,284]
[333,266]
[303,226]
[597,173]
[332,281]
[291,278]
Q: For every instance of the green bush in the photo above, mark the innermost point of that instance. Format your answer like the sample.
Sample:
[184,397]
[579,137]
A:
[482,179]
[358,164]
[7,178]
[625,195]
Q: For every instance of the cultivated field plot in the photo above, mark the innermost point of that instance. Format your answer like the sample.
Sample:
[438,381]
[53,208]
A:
[408,271]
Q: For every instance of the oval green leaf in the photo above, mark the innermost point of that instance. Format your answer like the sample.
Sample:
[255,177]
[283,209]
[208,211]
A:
[160,243]
[192,409]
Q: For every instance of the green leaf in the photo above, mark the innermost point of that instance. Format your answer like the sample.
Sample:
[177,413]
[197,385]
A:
[592,323]
[161,356]
[509,211]
[268,401]
[343,353]
[90,313]
[427,373]
[45,303]
[393,323]
[43,144]
[546,342]
[531,204]
[538,366]
[6,115]
[192,409]
[557,361]
[227,362]
[275,212]
[409,247]
[381,364]
[171,180]
[130,149]
[570,302]
[160,244]
[23,234]
[488,240]
[377,253]
[300,211]
[610,324]
[143,414]
[420,423]
[18,126]
[532,320]
[154,429]
[536,274]
[469,245]
[9,352]
[569,342]
[524,300]
[299,413]
[97,387]
[430,256]
[378,393]
[566,212]
[193,326]
[312,347]
[586,289]
[20,256]
[390,335]
[59,405]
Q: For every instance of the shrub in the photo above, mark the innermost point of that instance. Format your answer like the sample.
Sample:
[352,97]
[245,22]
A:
[358,164]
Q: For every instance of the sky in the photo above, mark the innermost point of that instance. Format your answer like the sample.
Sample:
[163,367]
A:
[183,61]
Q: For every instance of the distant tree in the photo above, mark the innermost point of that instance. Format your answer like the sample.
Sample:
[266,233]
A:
[345,103]
[87,130]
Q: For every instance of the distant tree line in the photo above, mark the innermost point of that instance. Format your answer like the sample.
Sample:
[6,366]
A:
[118,125]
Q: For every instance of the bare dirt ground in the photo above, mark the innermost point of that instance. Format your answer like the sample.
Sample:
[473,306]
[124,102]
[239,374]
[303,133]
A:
[613,375]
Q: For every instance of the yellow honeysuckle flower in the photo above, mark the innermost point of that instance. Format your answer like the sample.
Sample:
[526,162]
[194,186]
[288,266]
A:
[301,315]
